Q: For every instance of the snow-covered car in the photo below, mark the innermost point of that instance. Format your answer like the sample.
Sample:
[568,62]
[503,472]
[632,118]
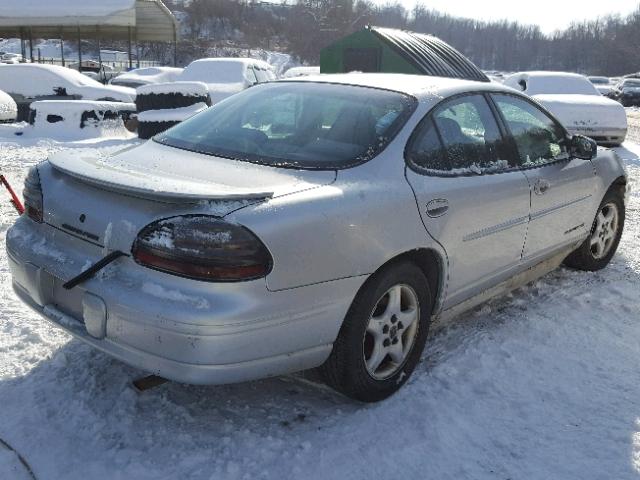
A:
[147,76]
[11,58]
[313,222]
[574,100]
[203,82]
[29,82]
[627,92]
[301,72]
[8,108]
[602,84]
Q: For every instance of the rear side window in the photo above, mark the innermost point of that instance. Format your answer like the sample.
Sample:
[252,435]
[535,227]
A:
[461,136]
[538,138]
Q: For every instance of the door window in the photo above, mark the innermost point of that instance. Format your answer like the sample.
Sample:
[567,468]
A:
[538,137]
[460,137]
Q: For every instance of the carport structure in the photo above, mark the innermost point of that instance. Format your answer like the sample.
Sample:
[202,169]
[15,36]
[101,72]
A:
[130,20]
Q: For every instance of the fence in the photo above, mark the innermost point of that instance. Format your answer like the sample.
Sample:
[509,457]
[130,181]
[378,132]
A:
[116,65]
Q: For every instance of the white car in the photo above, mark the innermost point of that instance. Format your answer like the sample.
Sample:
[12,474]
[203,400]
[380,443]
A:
[574,100]
[29,82]
[11,58]
[147,76]
[8,108]
[226,76]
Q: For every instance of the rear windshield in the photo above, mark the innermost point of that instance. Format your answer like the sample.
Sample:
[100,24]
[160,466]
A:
[297,125]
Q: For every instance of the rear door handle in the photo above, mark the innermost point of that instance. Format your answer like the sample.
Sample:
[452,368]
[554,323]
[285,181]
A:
[437,207]
[541,187]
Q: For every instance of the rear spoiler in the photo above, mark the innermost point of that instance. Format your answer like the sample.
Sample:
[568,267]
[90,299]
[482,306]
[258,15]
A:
[114,176]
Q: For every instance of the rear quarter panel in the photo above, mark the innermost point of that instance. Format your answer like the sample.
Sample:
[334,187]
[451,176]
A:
[351,228]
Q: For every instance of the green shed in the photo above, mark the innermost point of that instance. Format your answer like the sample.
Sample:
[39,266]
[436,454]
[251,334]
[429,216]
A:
[387,50]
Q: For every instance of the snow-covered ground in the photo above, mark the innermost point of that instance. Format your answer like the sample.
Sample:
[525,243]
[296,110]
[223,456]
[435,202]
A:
[544,384]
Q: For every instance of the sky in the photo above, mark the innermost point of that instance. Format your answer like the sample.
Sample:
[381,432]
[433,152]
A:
[551,15]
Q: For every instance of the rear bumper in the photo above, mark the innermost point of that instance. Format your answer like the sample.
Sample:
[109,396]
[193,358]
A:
[183,330]
[602,135]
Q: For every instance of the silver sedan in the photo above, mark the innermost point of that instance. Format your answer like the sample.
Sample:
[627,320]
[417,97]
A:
[323,221]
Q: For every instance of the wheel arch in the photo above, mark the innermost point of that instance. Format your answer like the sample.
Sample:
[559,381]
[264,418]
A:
[432,265]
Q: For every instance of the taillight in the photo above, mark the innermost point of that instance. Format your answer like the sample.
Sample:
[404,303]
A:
[203,248]
[33,205]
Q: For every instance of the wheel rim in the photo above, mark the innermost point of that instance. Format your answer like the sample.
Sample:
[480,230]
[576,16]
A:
[391,331]
[605,231]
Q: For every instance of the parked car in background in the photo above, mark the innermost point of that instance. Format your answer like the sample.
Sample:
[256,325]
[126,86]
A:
[11,58]
[301,72]
[28,82]
[602,84]
[627,92]
[100,72]
[8,108]
[226,76]
[201,84]
[575,101]
[322,221]
[146,76]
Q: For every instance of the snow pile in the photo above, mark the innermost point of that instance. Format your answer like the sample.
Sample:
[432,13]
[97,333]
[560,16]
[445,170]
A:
[185,88]
[172,114]
[8,108]
[75,119]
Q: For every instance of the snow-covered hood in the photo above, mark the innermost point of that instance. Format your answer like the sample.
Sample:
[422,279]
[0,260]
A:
[157,171]
[585,112]
[106,92]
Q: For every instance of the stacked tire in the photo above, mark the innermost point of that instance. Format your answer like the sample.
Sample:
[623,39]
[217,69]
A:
[162,98]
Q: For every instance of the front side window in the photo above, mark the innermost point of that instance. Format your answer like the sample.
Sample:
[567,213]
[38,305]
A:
[296,125]
[460,136]
[539,139]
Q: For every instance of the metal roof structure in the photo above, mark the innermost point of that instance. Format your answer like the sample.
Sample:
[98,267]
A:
[145,20]
[430,55]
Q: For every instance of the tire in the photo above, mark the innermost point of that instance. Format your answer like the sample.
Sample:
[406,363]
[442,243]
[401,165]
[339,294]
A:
[597,250]
[351,368]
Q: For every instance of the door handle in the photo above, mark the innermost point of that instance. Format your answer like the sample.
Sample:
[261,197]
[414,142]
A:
[541,187]
[437,207]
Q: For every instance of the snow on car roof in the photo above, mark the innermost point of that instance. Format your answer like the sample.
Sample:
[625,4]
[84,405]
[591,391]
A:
[416,85]
[540,82]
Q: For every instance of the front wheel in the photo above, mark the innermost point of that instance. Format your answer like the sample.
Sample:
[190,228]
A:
[597,250]
[383,335]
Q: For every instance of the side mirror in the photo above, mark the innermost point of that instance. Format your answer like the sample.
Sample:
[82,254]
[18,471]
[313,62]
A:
[583,147]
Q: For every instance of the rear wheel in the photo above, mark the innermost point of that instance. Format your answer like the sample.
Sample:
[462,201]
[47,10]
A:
[383,335]
[597,250]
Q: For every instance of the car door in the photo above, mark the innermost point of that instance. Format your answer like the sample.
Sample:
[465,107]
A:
[562,188]
[472,197]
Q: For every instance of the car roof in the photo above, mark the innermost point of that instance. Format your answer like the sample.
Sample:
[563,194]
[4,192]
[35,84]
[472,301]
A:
[243,60]
[419,86]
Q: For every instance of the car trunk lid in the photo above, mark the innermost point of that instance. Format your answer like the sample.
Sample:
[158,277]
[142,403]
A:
[108,199]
